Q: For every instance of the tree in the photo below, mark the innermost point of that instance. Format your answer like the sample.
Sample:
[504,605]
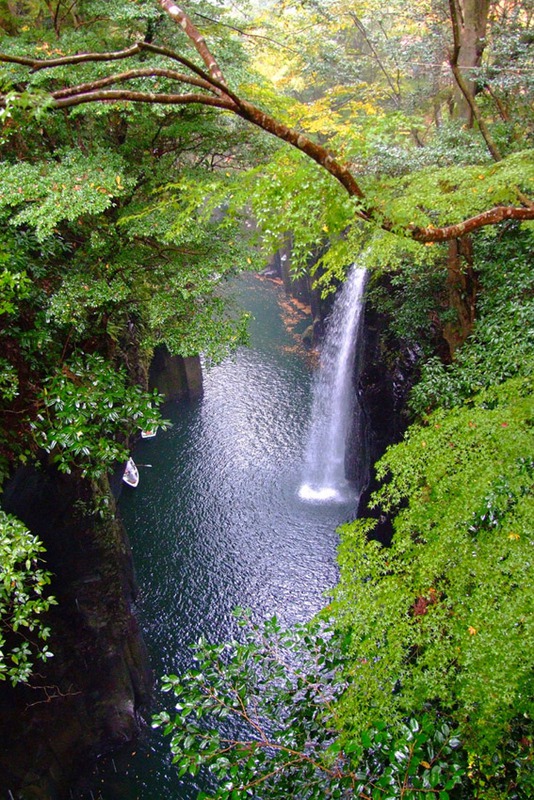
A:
[260,714]
[469,23]
[212,89]
[101,260]
[440,618]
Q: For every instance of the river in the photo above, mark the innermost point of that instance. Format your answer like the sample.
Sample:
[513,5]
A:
[216,521]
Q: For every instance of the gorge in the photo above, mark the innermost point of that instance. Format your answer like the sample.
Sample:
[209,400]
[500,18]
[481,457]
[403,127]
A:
[217,522]
[153,158]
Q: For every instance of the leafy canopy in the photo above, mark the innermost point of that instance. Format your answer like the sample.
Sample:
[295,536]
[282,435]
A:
[83,406]
[443,617]
[501,345]
[103,256]
[259,715]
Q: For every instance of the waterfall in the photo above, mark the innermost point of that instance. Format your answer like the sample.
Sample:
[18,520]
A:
[333,399]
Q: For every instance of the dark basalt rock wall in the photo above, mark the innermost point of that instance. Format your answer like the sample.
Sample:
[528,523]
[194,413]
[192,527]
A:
[174,376]
[386,373]
[91,696]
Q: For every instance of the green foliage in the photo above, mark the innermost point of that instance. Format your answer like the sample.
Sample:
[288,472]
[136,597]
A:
[429,196]
[443,617]
[63,189]
[8,381]
[424,687]
[414,298]
[13,288]
[451,144]
[119,225]
[90,260]
[23,601]
[292,195]
[85,406]
[260,715]
[502,343]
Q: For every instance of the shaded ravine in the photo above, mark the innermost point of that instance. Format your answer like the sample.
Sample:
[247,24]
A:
[217,522]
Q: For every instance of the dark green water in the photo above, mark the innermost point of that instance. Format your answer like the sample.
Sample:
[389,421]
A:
[216,522]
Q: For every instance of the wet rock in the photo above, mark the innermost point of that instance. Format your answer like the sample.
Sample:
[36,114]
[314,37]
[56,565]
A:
[308,337]
[387,371]
[174,376]
[92,695]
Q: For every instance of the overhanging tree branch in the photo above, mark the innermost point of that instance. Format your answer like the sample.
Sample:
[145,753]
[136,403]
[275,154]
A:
[194,35]
[340,172]
[131,74]
[37,64]
[115,95]
[217,94]
[490,217]
[165,51]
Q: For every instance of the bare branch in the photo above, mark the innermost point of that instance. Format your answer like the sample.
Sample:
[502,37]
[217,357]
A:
[37,64]
[491,217]
[455,23]
[498,102]
[164,51]
[223,97]
[362,29]
[153,72]
[194,35]
[315,151]
[115,95]
[464,88]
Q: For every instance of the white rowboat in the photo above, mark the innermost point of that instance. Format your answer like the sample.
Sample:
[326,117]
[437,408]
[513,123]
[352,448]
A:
[131,473]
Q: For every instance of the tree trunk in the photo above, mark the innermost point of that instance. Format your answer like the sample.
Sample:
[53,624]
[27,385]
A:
[472,18]
[462,286]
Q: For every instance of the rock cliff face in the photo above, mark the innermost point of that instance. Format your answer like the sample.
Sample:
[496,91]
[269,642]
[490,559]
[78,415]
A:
[174,376]
[92,696]
[302,289]
[385,376]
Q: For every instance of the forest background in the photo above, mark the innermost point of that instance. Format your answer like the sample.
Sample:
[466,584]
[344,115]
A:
[402,131]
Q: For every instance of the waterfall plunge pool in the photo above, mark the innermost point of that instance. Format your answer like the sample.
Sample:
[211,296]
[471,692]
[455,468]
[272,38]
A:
[217,522]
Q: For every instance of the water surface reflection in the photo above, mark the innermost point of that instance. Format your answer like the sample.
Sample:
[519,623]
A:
[217,521]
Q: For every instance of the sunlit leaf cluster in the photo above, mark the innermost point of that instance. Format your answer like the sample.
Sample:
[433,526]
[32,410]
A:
[257,717]
[24,598]
[83,407]
[44,194]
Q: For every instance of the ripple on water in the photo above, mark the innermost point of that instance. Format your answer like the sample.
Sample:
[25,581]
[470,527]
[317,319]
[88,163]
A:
[218,521]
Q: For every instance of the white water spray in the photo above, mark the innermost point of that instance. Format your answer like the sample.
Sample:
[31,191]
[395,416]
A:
[333,399]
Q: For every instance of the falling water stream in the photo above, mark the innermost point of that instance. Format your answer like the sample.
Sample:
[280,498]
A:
[333,404]
[218,520]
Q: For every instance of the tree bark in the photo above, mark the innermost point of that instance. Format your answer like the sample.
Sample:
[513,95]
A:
[194,35]
[490,217]
[469,18]
[462,287]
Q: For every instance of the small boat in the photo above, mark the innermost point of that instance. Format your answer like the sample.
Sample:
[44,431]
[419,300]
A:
[148,434]
[131,473]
